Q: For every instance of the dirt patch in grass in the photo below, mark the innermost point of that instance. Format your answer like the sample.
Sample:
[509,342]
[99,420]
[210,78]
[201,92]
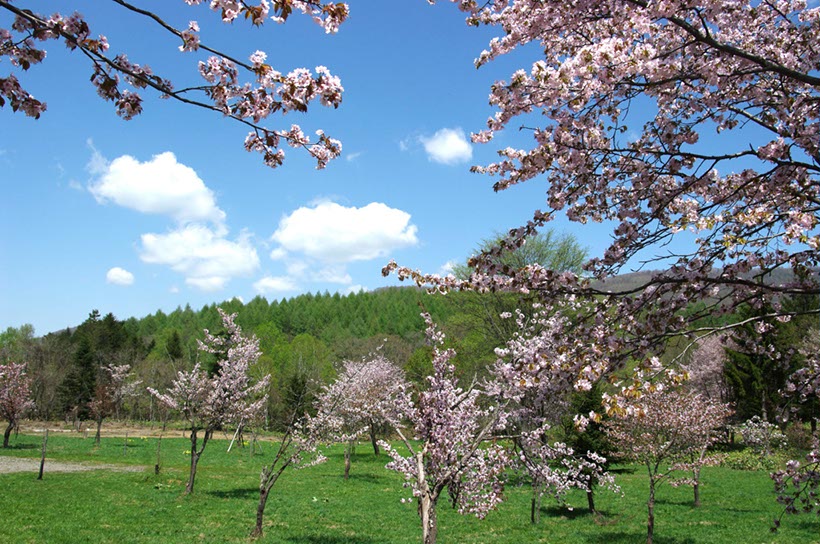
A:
[17,464]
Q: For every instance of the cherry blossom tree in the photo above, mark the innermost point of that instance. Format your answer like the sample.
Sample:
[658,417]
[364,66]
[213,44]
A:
[706,368]
[365,397]
[15,396]
[297,448]
[556,468]
[690,128]
[110,393]
[535,382]
[797,486]
[667,431]
[227,398]
[264,91]
[451,426]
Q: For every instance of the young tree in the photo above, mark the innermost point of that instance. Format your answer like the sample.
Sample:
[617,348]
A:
[15,396]
[451,425]
[208,403]
[110,393]
[663,430]
[364,398]
[537,384]
[556,468]
[268,92]
[296,448]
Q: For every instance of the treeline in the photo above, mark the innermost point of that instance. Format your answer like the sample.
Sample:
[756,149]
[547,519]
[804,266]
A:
[303,340]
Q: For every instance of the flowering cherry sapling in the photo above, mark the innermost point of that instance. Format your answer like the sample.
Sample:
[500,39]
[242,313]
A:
[534,380]
[451,428]
[297,448]
[666,426]
[15,396]
[365,397]
[227,398]
[110,393]
[250,103]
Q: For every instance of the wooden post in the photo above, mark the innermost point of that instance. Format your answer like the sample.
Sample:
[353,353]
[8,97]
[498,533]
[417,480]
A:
[43,455]
[159,444]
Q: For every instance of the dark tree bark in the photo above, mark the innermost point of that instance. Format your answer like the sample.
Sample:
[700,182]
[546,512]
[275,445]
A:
[195,454]
[7,434]
[97,436]
[348,451]
[373,439]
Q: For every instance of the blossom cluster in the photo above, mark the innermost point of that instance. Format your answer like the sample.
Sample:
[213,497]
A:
[247,102]
[15,392]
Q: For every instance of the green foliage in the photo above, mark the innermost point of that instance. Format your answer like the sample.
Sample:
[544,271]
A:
[553,251]
[747,459]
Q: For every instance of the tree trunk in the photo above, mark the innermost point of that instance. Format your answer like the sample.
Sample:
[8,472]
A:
[373,439]
[267,479]
[97,436]
[348,448]
[696,486]
[650,523]
[43,455]
[7,434]
[429,524]
[194,459]
[427,503]
[159,445]
[591,500]
[264,491]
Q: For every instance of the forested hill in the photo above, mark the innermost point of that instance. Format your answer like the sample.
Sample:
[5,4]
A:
[338,321]
[303,339]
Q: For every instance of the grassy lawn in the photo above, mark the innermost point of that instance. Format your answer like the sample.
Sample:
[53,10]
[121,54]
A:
[316,506]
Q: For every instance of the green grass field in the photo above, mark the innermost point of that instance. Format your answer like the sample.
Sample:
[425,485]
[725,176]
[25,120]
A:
[316,506]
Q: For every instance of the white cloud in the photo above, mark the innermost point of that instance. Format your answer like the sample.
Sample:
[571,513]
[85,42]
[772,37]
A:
[447,268]
[333,274]
[448,146]
[274,284]
[353,156]
[331,233]
[174,289]
[206,258]
[119,276]
[354,289]
[159,186]
[278,254]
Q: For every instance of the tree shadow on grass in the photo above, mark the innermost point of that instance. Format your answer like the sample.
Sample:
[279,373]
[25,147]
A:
[329,539]
[622,537]
[563,512]
[358,477]
[21,447]
[238,493]
[681,502]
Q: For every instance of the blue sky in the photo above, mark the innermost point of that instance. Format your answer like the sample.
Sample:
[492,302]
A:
[167,209]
